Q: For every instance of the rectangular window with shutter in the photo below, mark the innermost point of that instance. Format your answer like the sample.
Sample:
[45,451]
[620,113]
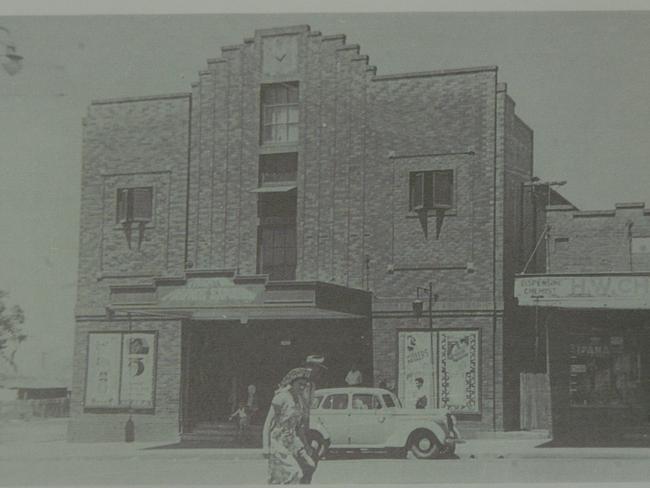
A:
[134,205]
[431,190]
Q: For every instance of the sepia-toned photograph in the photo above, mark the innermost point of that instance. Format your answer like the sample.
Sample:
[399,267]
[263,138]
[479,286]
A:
[325,247]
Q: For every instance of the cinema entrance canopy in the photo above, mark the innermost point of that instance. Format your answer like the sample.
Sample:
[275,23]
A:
[208,295]
[241,331]
[597,328]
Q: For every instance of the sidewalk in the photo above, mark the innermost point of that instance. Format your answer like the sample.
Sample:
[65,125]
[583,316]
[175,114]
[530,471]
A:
[495,445]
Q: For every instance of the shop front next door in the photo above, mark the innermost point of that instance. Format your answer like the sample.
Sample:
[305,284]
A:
[610,385]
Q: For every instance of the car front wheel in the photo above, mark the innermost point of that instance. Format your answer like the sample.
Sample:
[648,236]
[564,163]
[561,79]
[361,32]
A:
[424,445]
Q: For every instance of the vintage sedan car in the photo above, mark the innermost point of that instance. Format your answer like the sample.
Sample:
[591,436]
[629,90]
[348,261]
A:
[359,418]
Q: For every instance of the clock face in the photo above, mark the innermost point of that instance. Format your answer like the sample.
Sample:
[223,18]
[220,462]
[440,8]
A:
[280,55]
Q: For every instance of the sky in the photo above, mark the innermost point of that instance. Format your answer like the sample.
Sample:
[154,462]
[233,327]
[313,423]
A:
[579,79]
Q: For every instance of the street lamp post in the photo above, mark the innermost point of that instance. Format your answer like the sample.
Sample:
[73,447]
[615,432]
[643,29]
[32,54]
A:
[417,311]
[12,62]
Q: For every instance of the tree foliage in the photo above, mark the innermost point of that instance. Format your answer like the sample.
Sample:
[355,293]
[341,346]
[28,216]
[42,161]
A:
[11,334]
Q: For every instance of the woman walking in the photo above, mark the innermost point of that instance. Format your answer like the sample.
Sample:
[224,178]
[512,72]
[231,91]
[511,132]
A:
[288,451]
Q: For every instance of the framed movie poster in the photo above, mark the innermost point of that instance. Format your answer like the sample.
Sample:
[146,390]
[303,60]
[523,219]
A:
[416,379]
[137,385]
[121,370]
[103,372]
[458,355]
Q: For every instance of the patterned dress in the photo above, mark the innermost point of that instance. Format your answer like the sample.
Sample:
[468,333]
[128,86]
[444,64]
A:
[284,442]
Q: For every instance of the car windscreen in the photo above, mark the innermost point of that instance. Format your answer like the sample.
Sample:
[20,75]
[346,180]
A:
[315,401]
[388,400]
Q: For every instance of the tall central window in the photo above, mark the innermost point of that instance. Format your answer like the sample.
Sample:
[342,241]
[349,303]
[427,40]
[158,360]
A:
[276,250]
[279,113]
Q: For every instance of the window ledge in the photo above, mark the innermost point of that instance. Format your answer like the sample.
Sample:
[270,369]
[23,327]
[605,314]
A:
[135,225]
[432,212]
[278,147]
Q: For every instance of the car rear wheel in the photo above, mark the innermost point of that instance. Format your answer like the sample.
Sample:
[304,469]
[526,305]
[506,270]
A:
[424,445]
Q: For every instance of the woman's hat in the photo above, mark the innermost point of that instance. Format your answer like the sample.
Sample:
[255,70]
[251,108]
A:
[296,374]
[316,360]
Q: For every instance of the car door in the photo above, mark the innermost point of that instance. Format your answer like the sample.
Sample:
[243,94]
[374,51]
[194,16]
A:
[334,414]
[368,418]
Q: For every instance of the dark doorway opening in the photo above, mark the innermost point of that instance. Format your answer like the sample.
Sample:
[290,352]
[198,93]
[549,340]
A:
[224,358]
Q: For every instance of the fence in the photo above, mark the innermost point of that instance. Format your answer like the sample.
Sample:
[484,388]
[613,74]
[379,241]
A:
[25,409]
[535,401]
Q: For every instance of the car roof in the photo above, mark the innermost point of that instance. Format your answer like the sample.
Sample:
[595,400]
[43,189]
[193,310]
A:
[352,389]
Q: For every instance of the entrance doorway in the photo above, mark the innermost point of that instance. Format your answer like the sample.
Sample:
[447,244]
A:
[224,358]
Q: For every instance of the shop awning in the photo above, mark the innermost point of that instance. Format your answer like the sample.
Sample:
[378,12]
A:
[588,290]
[205,295]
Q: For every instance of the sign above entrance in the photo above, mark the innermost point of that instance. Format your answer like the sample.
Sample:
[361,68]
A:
[212,292]
[615,291]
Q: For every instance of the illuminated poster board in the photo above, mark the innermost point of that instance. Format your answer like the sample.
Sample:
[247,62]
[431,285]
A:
[458,366]
[416,384]
[137,385]
[442,366]
[103,373]
[120,372]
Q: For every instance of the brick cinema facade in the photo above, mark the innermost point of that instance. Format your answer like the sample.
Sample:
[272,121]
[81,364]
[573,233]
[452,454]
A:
[293,203]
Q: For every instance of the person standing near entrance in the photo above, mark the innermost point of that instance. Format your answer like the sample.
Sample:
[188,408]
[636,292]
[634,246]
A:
[354,376]
[243,421]
[251,401]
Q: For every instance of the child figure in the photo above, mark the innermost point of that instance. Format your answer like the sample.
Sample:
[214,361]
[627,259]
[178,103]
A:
[243,421]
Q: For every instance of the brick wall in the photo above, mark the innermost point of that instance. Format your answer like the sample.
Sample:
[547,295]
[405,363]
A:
[139,142]
[597,241]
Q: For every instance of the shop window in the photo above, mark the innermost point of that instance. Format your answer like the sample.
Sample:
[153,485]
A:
[338,401]
[431,190]
[279,113]
[605,371]
[134,205]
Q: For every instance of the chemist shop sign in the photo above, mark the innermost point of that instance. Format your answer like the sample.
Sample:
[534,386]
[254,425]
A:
[584,291]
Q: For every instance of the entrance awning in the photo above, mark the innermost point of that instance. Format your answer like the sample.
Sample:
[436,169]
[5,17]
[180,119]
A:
[588,290]
[218,295]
